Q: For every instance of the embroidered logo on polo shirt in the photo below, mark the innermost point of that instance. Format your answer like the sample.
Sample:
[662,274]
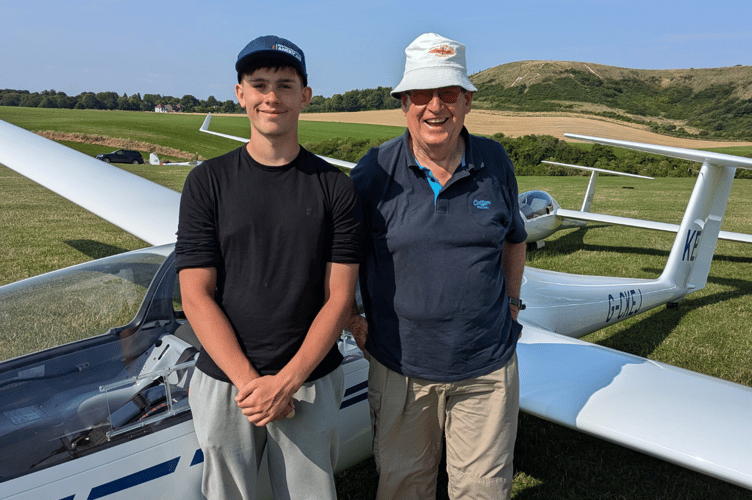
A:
[482,204]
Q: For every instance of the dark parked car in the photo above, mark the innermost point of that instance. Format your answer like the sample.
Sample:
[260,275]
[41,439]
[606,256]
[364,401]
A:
[122,156]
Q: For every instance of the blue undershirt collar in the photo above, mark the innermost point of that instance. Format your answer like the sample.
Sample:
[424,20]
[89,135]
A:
[432,181]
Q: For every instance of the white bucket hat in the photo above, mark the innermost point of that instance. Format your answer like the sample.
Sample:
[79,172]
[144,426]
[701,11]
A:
[432,62]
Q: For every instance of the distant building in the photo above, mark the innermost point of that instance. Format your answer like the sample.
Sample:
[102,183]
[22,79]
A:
[168,108]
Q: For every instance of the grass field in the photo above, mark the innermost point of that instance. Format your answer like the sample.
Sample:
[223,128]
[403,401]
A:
[709,332]
[173,130]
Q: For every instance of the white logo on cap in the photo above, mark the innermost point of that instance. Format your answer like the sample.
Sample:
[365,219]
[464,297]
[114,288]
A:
[290,51]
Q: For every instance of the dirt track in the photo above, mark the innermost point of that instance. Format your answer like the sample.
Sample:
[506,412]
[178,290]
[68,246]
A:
[490,122]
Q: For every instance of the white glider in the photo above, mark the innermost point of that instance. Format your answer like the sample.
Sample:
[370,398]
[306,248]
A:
[154,160]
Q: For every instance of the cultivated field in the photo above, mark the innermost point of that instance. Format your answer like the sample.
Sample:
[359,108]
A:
[518,124]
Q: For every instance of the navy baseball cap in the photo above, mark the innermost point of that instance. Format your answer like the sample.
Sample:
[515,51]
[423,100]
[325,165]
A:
[272,47]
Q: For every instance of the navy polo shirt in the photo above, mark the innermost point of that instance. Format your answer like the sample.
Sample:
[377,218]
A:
[432,281]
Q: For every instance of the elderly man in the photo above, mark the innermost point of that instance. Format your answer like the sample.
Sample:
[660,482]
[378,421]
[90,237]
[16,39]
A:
[440,287]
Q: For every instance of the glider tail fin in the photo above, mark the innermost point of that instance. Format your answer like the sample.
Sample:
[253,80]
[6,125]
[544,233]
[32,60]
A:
[689,261]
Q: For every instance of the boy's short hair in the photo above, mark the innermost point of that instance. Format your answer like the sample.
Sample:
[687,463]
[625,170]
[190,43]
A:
[268,63]
[271,51]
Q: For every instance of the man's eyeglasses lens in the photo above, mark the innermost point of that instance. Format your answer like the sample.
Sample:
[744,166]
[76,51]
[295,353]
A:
[423,97]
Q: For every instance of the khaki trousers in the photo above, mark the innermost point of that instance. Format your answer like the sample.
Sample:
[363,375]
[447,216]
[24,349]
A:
[477,417]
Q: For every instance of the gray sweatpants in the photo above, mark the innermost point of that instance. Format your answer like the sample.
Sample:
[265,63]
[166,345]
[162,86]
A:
[301,451]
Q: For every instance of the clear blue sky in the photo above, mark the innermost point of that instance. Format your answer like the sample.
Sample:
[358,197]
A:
[189,47]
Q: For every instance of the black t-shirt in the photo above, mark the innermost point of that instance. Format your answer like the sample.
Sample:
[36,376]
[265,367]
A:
[269,232]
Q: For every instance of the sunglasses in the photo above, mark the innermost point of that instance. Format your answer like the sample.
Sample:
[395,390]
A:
[448,95]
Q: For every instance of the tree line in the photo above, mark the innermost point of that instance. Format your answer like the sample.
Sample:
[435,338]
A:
[114,101]
[353,100]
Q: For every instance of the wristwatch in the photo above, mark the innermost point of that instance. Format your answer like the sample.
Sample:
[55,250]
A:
[516,301]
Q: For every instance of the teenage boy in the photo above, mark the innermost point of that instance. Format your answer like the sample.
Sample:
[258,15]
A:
[267,253]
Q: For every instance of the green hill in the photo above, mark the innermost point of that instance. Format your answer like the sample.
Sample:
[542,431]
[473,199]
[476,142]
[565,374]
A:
[713,103]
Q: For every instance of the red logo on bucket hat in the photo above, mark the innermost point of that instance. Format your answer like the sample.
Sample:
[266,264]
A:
[442,51]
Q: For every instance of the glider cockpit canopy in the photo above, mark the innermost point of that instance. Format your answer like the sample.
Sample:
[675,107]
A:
[535,203]
[120,371]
